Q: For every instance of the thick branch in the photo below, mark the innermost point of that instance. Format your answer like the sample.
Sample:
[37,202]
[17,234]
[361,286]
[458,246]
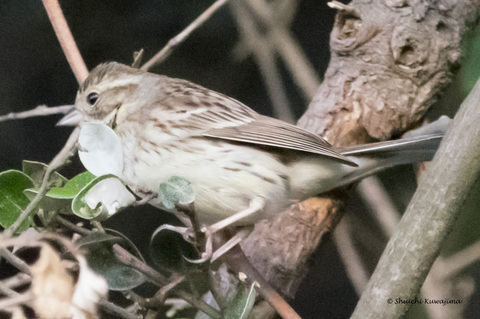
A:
[389,64]
[429,217]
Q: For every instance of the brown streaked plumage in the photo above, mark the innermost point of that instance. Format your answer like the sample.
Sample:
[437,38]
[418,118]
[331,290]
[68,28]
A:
[232,155]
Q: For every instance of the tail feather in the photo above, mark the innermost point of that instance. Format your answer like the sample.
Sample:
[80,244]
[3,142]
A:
[411,149]
[376,157]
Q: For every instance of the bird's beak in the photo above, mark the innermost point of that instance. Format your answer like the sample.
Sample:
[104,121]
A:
[73,118]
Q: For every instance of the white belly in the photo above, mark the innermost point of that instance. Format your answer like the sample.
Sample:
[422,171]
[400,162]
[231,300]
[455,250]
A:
[222,175]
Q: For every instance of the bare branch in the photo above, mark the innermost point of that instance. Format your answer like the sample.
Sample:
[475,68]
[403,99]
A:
[441,282]
[66,40]
[414,247]
[238,262]
[4,289]
[75,228]
[285,12]
[456,263]
[338,5]
[160,280]
[374,195]
[15,261]
[41,110]
[19,279]
[174,42]
[116,310]
[289,50]
[59,160]
[354,266]
[7,303]
[264,54]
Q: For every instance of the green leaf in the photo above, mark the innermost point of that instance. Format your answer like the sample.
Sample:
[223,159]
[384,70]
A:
[12,199]
[241,305]
[36,171]
[101,198]
[50,204]
[72,187]
[119,277]
[176,190]
[60,198]
[102,260]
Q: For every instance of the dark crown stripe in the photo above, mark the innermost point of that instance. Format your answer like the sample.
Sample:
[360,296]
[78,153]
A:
[111,69]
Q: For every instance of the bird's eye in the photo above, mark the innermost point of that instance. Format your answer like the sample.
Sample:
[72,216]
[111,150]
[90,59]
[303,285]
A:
[92,98]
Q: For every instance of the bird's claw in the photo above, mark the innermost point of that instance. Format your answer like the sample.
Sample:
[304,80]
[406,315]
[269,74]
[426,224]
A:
[186,233]
[208,253]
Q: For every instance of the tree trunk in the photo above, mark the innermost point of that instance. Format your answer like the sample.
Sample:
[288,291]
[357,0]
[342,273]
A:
[390,61]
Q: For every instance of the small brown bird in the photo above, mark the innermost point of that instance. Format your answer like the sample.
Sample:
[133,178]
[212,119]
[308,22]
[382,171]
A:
[239,163]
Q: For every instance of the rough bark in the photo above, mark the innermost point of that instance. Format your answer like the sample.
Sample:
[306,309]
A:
[428,220]
[390,61]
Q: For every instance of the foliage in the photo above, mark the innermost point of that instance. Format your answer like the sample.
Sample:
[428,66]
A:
[92,198]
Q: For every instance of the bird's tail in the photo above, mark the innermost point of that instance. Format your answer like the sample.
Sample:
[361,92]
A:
[418,145]
[375,157]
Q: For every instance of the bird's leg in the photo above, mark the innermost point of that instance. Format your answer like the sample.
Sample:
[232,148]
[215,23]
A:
[232,242]
[256,205]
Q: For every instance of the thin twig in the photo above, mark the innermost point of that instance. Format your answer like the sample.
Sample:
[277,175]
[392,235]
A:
[80,70]
[161,295]
[160,280]
[15,261]
[136,298]
[127,241]
[41,110]
[265,56]
[456,263]
[340,6]
[289,50]
[18,280]
[174,42]
[436,285]
[4,289]
[354,266]
[128,259]
[374,195]
[59,160]
[73,227]
[285,12]
[145,199]
[66,40]
[238,262]
[98,226]
[336,5]
[15,301]
[117,310]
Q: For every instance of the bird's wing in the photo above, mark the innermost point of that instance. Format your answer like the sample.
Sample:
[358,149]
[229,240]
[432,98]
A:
[225,118]
[272,132]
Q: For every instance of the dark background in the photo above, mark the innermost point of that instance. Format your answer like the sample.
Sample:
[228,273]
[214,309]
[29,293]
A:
[33,71]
